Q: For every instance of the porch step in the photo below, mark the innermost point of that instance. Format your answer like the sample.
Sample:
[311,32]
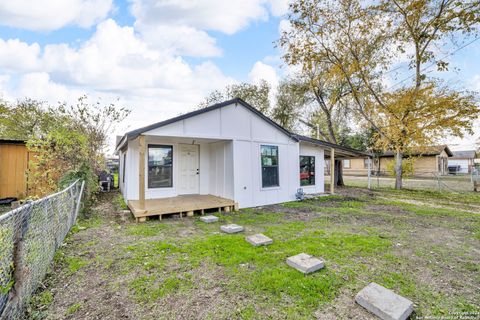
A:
[231,228]
[184,205]
[209,219]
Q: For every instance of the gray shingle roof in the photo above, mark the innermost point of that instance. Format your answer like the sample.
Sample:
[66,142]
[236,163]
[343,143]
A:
[467,154]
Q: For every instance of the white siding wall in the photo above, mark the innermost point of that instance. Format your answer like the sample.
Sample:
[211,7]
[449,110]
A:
[221,169]
[248,173]
[318,153]
[464,164]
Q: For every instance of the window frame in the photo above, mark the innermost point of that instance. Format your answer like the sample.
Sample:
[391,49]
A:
[153,146]
[310,166]
[349,163]
[124,167]
[277,185]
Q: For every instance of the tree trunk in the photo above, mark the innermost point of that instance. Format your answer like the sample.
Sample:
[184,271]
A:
[398,170]
[339,173]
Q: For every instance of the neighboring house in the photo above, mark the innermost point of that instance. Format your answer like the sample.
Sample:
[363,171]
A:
[229,151]
[14,161]
[428,160]
[462,161]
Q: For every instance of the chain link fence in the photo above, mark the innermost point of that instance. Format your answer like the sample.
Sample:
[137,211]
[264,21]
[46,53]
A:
[422,181]
[29,237]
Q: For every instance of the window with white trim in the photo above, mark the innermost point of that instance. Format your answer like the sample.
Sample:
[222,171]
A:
[269,160]
[160,166]
[307,171]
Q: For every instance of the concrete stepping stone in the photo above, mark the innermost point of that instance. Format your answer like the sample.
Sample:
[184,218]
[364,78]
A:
[384,303]
[259,240]
[305,263]
[231,228]
[209,219]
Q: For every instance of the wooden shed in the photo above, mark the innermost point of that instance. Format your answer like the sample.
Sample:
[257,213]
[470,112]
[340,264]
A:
[14,162]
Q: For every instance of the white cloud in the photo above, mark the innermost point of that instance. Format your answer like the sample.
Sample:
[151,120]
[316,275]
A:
[17,55]
[261,71]
[279,7]
[474,83]
[218,15]
[284,26]
[37,85]
[179,40]
[182,25]
[115,58]
[52,14]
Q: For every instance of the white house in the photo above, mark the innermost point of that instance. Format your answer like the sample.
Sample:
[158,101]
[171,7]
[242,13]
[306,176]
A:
[224,156]
[462,161]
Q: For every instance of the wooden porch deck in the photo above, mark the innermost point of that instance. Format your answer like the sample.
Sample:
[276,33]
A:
[184,204]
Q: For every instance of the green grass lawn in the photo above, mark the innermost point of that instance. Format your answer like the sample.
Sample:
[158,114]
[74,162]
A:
[185,269]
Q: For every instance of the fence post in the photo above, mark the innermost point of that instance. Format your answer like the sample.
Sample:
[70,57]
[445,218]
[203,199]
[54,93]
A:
[79,201]
[18,265]
[369,173]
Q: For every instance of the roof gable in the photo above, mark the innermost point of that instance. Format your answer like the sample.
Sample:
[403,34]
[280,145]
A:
[237,101]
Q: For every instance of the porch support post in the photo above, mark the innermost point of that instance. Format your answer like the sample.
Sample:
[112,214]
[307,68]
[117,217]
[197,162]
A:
[141,171]
[369,173]
[332,170]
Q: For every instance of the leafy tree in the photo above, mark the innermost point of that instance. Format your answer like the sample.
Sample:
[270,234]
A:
[323,101]
[256,95]
[290,102]
[361,140]
[27,119]
[68,141]
[359,43]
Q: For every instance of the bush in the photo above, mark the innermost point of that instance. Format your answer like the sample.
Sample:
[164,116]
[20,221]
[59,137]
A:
[86,174]
[407,167]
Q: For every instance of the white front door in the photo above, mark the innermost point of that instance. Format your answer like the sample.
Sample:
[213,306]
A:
[188,169]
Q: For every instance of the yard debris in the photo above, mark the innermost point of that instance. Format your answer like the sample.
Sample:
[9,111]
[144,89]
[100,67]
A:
[231,228]
[384,303]
[259,240]
[305,263]
[209,219]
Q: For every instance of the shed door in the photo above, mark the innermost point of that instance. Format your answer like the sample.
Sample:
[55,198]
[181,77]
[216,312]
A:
[13,169]
[188,169]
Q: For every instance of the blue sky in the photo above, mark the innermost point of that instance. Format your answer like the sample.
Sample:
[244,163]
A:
[160,58]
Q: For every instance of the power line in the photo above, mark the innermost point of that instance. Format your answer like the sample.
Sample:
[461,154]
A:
[433,63]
